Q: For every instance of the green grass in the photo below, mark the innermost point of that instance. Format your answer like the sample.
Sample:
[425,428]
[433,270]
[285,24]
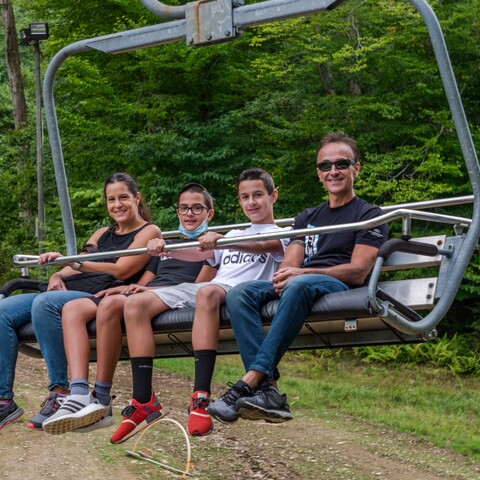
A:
[422,400]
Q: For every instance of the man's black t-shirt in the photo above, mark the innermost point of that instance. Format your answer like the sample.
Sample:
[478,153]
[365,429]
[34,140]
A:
[331,249]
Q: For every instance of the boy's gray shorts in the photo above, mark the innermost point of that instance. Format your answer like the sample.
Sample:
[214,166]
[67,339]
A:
[183,295]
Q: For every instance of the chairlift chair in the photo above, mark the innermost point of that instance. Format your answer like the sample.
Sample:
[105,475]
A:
[378,314]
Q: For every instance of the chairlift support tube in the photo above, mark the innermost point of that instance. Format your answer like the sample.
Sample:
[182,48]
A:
[162,10]
[255,14]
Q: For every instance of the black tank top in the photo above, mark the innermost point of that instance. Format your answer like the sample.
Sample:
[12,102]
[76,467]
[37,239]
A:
[93,282]
[110,241]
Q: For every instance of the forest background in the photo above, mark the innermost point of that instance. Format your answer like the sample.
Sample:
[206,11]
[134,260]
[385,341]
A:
[174,114]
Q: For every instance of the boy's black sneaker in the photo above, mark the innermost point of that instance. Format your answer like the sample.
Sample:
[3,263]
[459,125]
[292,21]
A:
[225,408]
[266,404]
[9,413]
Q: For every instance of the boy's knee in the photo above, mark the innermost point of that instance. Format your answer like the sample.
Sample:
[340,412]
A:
[209,296]
[135,302]
[112,302]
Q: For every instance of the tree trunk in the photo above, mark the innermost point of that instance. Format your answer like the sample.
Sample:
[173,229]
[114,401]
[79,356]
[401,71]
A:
[13,65]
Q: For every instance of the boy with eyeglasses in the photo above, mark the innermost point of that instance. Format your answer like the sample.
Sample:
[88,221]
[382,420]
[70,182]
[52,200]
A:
[246,261]
[313,266]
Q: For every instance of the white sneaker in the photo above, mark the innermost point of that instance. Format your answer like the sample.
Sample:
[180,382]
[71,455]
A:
[107,420]
[77,411]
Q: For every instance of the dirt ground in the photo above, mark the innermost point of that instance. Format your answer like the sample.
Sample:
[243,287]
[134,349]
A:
[304,448]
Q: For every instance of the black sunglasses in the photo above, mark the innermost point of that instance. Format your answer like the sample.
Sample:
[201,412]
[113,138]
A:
[340,164]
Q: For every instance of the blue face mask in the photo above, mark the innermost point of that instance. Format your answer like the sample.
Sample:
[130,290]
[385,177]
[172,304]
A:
[192,234]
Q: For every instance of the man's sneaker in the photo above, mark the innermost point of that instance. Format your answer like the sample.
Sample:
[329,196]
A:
[49,406]
[225,408]
[266,404]
[9,413]
[107,420]
[136,417]
[199,421]
[76,411]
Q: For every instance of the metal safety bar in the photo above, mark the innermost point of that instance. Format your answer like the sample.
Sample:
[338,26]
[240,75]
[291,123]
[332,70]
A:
[287,222]
[28,261]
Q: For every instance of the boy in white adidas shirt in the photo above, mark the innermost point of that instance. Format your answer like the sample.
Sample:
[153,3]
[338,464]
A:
[256,260]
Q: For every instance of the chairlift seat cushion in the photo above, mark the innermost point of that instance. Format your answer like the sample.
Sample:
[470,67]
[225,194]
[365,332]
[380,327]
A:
[350,304]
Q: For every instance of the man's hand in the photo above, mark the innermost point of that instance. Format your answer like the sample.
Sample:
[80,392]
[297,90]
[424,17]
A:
[209,241]
[283,275]
[156,247]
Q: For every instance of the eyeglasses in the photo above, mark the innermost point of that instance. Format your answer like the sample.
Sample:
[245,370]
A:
[340,164]
[196,209]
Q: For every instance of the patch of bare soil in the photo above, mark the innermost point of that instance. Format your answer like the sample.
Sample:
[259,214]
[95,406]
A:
[304,448]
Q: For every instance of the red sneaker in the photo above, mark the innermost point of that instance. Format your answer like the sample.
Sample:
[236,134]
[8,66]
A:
[199,421]
[136,417]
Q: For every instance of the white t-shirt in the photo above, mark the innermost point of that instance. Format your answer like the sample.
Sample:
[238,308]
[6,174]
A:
[236,267]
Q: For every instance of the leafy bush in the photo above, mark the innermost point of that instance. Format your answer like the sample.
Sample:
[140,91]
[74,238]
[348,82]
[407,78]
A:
[459,354]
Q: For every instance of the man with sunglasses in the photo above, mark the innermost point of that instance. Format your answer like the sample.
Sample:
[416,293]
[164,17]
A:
[313,266]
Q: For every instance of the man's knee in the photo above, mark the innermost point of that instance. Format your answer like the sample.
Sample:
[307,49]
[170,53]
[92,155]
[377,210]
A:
[237,293]
[304,282]
[244,292]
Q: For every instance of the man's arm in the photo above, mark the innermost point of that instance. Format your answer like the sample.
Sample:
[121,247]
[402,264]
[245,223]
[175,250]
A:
[353,273]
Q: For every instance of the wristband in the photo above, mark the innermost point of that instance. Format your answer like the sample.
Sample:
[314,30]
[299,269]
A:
[77,265]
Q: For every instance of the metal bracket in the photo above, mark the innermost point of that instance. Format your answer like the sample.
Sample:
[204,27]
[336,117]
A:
[431,335]
[210,21]
[350,326]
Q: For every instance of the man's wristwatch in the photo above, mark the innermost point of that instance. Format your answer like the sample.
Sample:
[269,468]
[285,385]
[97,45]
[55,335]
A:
[77,265]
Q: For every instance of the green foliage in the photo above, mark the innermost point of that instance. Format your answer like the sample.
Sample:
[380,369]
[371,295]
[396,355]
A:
[459,354]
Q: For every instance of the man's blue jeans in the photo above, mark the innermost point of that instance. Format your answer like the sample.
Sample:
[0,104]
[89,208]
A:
[45,312]
[263,352]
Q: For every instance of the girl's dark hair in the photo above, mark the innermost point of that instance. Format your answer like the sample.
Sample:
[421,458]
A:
[131,183]
[256,174]
[197,188]
[340,137]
